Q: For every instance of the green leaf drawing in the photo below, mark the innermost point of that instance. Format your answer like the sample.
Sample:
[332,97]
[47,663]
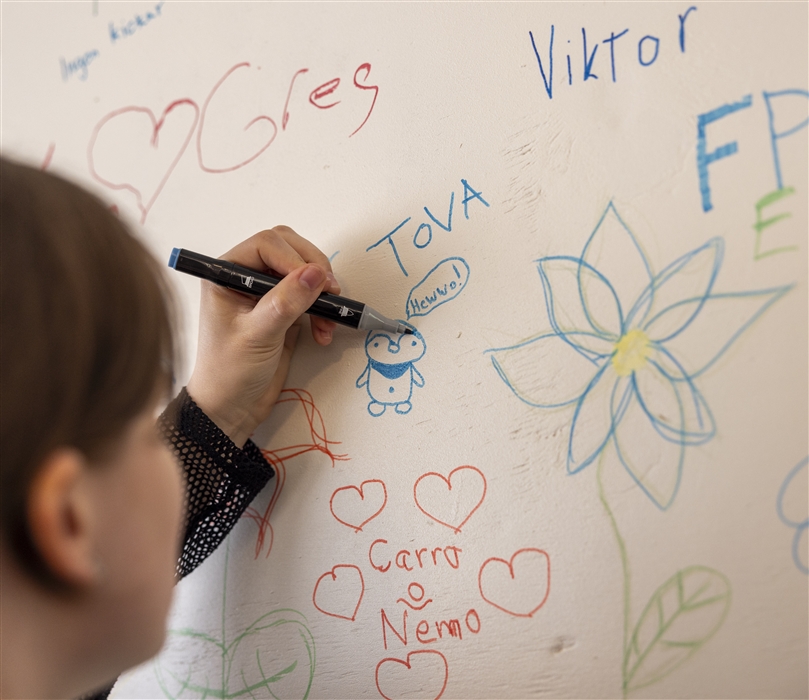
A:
[683,614]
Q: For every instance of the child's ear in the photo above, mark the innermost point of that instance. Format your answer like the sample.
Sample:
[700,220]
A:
[61,518]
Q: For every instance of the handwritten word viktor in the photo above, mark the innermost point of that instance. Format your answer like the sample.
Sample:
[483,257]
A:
[138,22]
[424,232]
[647,49]
[78,65]
[779,106]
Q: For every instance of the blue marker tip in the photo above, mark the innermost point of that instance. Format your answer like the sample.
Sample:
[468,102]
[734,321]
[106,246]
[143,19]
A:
[175,253]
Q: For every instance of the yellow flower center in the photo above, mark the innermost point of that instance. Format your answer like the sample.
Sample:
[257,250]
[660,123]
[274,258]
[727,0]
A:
[631,352]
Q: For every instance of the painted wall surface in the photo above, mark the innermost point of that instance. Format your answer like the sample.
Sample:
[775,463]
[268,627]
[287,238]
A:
[586,474]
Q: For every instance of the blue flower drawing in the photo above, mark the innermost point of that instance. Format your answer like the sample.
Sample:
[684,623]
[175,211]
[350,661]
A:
[625,349]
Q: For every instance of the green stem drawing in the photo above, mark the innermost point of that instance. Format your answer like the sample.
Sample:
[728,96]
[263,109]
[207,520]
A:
[251,676]
[680,617]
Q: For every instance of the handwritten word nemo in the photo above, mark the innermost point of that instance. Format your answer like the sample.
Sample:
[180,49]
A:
[131,26]
[427,634]
[407,560]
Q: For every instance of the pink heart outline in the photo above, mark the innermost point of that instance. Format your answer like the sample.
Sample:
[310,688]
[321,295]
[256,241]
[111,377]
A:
[448,481]
[409,667]
[350,487]
[156,126]
[510,565]
[333,576]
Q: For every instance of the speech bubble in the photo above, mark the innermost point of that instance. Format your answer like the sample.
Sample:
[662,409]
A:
[440,285]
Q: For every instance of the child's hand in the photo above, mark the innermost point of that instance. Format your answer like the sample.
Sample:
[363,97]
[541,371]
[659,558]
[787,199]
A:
[246,344]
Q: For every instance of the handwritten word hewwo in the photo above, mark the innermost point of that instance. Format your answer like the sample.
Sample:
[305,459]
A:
[441,284]
[647,50]
[424,233]
[129,27]
[78,65]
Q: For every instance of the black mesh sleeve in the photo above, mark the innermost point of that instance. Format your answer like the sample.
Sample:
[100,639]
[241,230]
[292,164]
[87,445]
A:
[221,479]
[220,482]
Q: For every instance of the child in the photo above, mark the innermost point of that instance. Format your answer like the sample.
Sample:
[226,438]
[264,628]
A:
[93,512]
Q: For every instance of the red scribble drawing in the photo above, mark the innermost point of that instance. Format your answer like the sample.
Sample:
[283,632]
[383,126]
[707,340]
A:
[121,142]
[279,457]
[48,157]
[345,501]
[335,593]
[367,68]
[261,117]
[434,495]
[424,674]
[285,118]
[519,591]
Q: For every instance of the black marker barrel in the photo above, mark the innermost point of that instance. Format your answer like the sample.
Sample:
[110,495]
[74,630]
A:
[346,312]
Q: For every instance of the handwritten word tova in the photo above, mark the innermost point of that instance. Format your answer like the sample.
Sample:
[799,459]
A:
[424,233]
[78,65]
[131,26]
[648,50]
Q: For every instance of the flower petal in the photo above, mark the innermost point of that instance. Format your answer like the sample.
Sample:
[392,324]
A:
[672,403]
[569,307]
[691,276]
[614,251]
[598,411]
[655,463]
[546,371]
[714,323]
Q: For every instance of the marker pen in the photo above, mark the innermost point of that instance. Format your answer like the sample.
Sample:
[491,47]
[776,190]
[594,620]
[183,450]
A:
[346,312]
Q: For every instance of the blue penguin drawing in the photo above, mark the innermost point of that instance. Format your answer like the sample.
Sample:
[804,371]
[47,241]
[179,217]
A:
[390,374]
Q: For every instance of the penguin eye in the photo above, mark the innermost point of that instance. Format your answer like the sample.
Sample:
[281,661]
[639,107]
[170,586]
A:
[414,343]
[376,345]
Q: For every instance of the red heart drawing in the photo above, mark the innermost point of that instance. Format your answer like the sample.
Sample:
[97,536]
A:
[162,163]
[345,501]
[335,597]
[513,591]
[433,495]
[421,668]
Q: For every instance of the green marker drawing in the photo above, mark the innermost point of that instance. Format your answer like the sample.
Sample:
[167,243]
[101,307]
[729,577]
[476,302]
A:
[762,224]
[249,668]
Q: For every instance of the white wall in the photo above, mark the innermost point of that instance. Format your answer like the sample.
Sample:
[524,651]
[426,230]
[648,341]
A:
[459,96]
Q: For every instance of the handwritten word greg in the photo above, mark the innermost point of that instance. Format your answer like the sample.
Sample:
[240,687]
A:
[131,26]
[78,65]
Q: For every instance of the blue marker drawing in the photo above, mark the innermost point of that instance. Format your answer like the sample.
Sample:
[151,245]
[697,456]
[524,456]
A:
[796,494]
[704,159]
[625,348]
[774,134]
[440,285]
[390,374]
